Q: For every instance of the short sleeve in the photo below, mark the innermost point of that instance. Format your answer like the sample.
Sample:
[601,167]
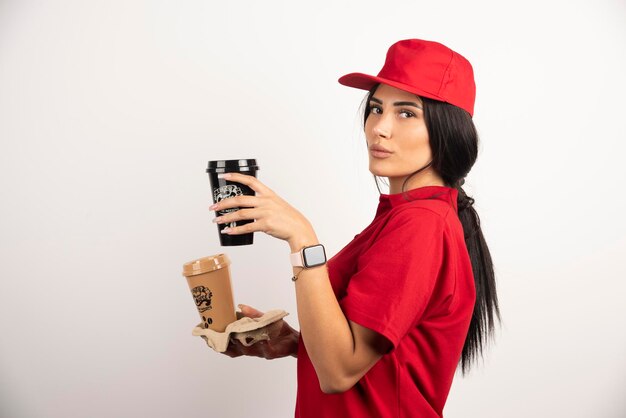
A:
[396,274]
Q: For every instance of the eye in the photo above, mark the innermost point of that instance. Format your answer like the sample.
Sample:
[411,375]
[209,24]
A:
[407,113]
[375,109]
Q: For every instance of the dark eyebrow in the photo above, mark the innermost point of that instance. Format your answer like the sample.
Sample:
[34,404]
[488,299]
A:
[374,99]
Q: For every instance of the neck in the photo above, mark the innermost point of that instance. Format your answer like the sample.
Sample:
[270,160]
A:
[422,179]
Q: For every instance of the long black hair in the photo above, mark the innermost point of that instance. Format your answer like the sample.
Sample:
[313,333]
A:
[454,144]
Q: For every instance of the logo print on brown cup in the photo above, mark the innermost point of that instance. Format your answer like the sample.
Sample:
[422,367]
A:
[206,321]
[202,295]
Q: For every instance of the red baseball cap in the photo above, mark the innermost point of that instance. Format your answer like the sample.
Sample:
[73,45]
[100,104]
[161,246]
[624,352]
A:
[425,68]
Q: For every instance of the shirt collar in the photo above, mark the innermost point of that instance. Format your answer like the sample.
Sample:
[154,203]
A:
[443,193]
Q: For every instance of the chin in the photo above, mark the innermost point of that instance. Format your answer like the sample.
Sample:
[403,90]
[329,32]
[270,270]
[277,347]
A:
[378,171]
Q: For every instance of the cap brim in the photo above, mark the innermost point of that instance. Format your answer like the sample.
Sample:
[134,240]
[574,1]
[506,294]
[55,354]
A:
[366,82]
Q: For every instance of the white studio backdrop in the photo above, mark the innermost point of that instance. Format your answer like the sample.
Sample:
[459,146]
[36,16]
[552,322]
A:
[109,112]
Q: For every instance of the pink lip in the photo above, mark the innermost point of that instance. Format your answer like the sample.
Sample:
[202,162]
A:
[380,154]
[378,151]
[377,147]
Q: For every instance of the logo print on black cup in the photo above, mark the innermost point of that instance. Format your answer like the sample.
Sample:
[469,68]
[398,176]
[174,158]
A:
[202,296]
[225,192]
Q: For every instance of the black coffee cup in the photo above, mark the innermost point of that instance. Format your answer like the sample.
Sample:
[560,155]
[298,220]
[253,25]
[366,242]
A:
[223,189]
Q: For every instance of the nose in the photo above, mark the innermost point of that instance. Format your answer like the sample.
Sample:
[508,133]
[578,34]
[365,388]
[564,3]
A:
[382,127]
[381,132]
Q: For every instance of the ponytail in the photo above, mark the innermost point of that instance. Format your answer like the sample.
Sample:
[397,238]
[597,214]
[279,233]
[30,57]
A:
[481,326]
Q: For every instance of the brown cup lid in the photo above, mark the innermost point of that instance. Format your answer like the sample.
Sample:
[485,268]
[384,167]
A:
[205,264]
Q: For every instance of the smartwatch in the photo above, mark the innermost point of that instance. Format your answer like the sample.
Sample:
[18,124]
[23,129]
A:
[309,257]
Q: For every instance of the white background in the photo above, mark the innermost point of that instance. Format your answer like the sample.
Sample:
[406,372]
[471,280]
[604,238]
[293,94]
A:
[110,110]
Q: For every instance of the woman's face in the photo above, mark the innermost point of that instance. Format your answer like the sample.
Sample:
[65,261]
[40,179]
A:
[396,123]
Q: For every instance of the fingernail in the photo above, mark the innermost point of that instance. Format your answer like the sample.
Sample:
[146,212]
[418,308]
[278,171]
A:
[223,176]
[225,230]
[213,206]
[240,306]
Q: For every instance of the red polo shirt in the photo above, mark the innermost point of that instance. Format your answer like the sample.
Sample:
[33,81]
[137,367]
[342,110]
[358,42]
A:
[407,276]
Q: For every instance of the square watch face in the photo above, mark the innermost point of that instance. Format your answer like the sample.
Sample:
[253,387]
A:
[314,256]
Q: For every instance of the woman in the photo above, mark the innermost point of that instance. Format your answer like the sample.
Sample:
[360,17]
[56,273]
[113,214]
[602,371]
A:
[385,322]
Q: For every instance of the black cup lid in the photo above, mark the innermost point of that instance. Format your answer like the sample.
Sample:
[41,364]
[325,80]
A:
[225,166]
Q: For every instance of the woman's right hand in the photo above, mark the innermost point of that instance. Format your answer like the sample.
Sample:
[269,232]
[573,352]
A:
[283,340]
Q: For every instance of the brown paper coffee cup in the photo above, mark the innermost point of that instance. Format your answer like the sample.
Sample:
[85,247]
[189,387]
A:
[210,285]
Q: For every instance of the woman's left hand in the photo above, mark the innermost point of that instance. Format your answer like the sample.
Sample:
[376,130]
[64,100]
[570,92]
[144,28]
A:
[282,342]
[272,215]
